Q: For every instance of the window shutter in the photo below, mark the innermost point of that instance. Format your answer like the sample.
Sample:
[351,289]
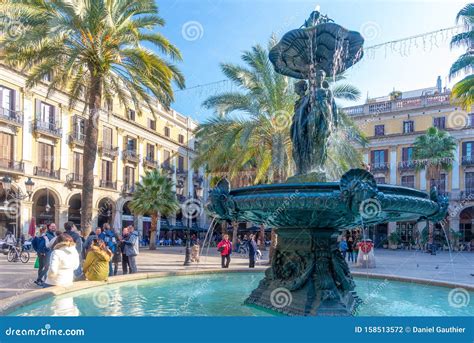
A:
[372,157]
[52,119]
[464,149]
[385,156]
[16,96]
[37,109]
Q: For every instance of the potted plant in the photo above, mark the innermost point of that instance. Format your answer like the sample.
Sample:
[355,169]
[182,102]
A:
[385,243]
[394,240]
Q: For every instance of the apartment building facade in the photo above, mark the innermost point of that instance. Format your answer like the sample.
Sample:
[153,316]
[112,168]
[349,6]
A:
[41,154]
[391,125]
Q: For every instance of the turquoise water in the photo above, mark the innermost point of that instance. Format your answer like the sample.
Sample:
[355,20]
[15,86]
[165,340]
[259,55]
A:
[224,294]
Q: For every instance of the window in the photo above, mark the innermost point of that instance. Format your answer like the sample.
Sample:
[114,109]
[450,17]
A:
[6,149]
[467,152]
[379,158]
[439,123]
[379,130]
[46,156]
[7,98]
[107,137]
[150,152]
[129,176]
[131,144]
[106,172]
[407,154]
[167,131]
[151,124]
[408,181]
[469,183]
[180,163]
[45,114]
[440,183]
[166,158]
[406,229]
[181,139]
[78,163]
[109,105]
[47,77]
[470,120]
[131,115]
[79,127]
[380,180]
[408,126]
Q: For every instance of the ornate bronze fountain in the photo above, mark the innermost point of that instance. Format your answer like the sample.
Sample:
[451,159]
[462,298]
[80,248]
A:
[308,275]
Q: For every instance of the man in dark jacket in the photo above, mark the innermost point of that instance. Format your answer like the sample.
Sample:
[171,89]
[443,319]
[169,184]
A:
[39,245]
[71,230]
[252,251]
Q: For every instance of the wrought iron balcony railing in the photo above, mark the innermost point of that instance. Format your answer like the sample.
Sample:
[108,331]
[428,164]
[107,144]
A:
[74,178]
[76,138]
[150,161]
[14,166]
[45,172]
[130,156]
[11,116]
[128,189]
[108,150]
[467,160]
[406,165]
[108,184]
[379,166]
[51,129]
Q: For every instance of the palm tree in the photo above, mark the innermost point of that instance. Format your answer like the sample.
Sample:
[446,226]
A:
[154,196]
[434,151]
[94,51]
[251,127]
[463,91]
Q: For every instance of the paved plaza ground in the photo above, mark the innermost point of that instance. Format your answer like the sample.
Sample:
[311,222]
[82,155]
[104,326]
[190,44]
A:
[17,278]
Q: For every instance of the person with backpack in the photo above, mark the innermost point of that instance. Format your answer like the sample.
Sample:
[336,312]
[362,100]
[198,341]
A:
[225,248]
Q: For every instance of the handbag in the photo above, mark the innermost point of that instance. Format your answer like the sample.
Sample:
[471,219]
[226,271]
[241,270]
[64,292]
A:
[37,262]
[220,249]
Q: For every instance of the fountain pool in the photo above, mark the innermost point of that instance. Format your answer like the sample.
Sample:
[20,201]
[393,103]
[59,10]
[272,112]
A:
[224,295]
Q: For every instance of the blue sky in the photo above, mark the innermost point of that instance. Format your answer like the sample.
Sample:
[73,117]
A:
[212,31]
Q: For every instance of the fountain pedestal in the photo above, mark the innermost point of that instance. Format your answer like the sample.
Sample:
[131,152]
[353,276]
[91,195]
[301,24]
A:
[308,276]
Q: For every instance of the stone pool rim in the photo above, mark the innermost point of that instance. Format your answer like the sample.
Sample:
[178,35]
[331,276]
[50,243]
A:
[16,302]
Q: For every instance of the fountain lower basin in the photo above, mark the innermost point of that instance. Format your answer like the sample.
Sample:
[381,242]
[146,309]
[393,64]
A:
[307,264]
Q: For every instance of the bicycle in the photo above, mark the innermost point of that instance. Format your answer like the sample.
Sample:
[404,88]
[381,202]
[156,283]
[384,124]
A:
[15,254]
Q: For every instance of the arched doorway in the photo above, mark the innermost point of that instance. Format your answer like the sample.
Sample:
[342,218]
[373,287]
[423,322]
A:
[466,227]
[44,206]
[74,210]
[9,212]
[127,216]
[105,212]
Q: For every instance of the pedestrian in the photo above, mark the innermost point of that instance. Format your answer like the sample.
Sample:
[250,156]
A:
[225,248]
[355,247]
[252,251]
[64,260]
[132,248]
[101,234]
[50,238]
[117,257]
[125,264]
[96,265]
[350,250]
[343,247]
[111,240]
[71,230]
[87,244]
[39,245]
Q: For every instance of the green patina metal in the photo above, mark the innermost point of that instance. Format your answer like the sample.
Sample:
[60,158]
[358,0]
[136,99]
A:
[308,275]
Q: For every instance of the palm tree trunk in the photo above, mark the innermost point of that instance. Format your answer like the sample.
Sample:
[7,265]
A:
[154,223]
[235,228]
[90,153]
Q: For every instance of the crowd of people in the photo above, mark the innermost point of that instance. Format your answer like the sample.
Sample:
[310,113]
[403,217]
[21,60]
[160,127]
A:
[65,257]
[349,245]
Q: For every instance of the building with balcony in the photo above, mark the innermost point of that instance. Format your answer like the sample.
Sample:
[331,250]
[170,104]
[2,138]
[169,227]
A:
[391,125]
[42,140]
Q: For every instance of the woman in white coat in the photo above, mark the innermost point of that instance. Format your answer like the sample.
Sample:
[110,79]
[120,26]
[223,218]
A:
[64,260]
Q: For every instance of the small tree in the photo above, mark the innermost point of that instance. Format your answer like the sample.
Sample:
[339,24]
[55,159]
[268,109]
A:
[154,196]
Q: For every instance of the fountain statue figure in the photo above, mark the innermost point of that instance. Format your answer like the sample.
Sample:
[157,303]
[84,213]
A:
[315,116]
